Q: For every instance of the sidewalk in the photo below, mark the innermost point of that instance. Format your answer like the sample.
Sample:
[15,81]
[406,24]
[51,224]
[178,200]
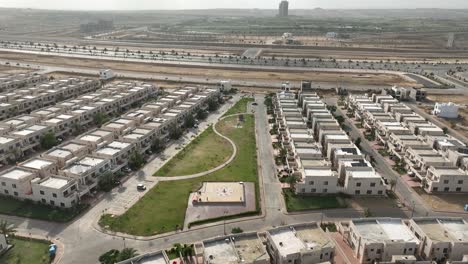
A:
[120,199]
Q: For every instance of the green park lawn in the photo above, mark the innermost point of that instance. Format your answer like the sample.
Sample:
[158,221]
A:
[11,206]
[205,152]
[26,251]
[162,209]
[302,203]
[239,107]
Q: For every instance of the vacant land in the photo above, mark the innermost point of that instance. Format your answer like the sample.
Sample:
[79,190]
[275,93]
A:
[205,152]
[7,70]
[443,202]
[296,203]
[10,206]
[216,72]
[163,208]
[26,251]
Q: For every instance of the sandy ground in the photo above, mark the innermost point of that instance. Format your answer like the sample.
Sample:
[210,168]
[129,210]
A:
[7,70]
[345,78]
[444,202]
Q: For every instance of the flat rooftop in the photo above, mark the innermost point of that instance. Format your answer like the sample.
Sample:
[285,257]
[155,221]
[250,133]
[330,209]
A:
[444,229]
[36,164]
[220,252]
[250,249]
[319,173]
[55,183]
[379,230]
[16,174]
[290,240]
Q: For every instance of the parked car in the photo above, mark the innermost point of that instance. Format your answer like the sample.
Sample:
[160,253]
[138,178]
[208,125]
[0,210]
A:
[141,187]
[126,169]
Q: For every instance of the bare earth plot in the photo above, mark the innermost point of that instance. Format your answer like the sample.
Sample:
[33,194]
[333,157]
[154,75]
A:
[220,73]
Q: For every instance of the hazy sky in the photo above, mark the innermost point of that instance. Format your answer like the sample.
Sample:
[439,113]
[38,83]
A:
[202,4]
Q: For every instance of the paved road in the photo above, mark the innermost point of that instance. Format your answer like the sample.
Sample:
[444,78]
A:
[83,243]
[407,195]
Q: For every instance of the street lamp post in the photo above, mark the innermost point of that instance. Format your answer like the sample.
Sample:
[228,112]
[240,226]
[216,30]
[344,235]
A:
[225,214]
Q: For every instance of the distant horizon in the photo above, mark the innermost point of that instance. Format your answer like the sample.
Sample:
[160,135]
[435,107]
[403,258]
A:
[175,5]
[224,8]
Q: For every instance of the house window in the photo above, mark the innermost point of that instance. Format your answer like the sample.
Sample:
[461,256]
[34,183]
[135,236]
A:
[379,192]
[458,189]
[3,184]
[446,181]
[372,184]
[435,189]
[41,192]
[6,191]
[460,182]
[62,204]
[54,195]
[446,189]
[303,190]
[15,193]
[43,200]
[311,183]
[325,183]
[357,192]
[369,191]
[325,190]
[358,184]
[13,185]
[52,202]
[313,190]
[378,251]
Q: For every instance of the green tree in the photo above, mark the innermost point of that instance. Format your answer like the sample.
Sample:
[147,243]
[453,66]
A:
[110,257]
[187,252]
[136,161]
[48,140]
[357,142]
[157,145]
[127,253]
[175,132]
[201,114]
[445,129]
[100,119]
[106,181]
[213,105]
[189,121]
[237,230]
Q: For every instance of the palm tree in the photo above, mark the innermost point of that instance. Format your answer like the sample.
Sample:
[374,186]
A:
[187,252]
[7,229]
[127,253]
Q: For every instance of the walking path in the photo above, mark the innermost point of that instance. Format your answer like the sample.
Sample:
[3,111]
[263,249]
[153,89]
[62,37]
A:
[224,164]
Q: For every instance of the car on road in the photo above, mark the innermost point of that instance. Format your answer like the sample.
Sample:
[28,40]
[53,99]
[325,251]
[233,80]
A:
[127,169]
[411,174]
[141,187]
[254,104]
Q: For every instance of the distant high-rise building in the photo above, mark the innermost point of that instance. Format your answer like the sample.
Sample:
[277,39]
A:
[283,8]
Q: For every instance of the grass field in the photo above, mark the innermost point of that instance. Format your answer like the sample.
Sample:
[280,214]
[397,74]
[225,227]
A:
[205,152]
[239,107]
[26,251]
[10,206]
[303,203]
[162,209]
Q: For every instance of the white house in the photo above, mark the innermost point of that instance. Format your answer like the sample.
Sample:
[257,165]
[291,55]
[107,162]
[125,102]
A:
[447,110]
[106,74]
